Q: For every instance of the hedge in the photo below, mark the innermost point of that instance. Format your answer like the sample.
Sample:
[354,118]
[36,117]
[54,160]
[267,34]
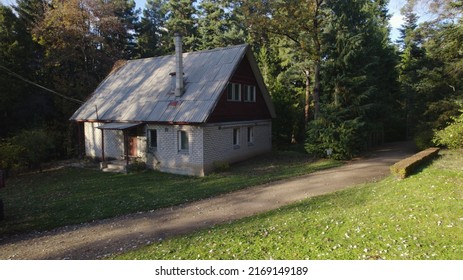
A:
[407,166]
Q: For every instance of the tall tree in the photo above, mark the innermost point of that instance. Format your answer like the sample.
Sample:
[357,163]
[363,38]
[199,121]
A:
[182,18]
[21,106]
[358,78]
[151,29]
[31,12]
[211,24]
[218,24]
[431,67]
[301,22]
[82,39]
[412,59]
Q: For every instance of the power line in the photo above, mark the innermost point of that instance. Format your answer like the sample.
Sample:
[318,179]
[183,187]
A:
[9,72]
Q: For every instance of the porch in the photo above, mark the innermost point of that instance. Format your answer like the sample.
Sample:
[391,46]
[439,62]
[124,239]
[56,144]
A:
[120,145]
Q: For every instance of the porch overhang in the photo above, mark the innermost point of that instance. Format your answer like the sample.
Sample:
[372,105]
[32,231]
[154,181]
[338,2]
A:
[117,126]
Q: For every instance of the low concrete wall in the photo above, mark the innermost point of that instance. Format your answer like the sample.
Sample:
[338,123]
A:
[407,166]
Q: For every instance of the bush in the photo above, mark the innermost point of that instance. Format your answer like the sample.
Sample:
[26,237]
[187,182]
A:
[452,135]
[221,166]
[11,156]
[27,149]
[334,137]
[423,138]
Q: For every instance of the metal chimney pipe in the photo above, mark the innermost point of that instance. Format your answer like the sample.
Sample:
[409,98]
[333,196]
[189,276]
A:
[179,87]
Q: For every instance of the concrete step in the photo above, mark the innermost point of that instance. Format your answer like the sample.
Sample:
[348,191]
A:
[115,167]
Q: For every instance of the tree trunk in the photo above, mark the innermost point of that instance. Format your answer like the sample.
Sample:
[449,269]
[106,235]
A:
[307,99]
[316,90]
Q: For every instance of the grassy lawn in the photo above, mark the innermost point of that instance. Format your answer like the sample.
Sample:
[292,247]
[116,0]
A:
[420,217]
[69,196]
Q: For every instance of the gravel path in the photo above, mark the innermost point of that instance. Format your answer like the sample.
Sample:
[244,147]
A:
[106,237]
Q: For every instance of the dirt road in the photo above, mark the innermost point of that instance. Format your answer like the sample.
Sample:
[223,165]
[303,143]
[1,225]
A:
[102,238]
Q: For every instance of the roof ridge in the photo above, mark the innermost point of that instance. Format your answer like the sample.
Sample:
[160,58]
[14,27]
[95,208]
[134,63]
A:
[192,52]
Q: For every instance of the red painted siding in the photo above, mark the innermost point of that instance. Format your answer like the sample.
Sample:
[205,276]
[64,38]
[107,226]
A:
[227,111]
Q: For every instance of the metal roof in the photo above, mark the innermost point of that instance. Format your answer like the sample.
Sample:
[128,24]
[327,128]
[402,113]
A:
[143,91]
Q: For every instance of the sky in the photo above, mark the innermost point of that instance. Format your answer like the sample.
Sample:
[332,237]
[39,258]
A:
[394,9]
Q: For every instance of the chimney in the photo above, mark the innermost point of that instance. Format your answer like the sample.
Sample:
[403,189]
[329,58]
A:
[179,87]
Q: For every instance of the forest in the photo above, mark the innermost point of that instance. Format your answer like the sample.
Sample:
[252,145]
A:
[337,80]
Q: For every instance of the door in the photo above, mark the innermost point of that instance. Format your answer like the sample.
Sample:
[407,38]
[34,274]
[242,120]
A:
[133,146]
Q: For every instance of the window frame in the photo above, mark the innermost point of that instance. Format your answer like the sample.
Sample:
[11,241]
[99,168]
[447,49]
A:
[150,139]
[250,135]
[249,93]
[232,95]
[236,138]
[181,141]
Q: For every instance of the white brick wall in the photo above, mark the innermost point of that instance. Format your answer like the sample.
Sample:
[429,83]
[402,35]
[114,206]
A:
[208,144]
[168,158]
[219,148]
[113,145]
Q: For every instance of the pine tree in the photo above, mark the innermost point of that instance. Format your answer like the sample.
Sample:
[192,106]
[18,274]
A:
[181,18]
[358,81]
[412,56]
[218,24]
[151,29]
[22,106]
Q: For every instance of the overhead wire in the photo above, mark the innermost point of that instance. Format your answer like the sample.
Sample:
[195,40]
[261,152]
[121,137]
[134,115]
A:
[9,72]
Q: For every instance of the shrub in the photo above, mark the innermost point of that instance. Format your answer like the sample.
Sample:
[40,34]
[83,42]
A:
[38,146]
[342,138]
[11,156]
[136,166]
[452,135]
[221,166]
[423,139]
[27,149]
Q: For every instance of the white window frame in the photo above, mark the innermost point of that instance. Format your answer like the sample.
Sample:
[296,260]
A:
[249,93]
[236,138]
[150,140]
[234,92]
[181,147]
[250,135]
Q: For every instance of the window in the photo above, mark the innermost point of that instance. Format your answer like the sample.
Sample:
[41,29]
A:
[183,141]
[236,137]
[250,135]
[249,93]
[153,138]
[234,92]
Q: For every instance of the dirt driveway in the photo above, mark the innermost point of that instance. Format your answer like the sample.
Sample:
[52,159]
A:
[103,238]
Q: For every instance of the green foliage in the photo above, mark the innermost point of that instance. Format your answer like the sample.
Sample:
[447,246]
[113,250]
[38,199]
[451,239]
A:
[136,166]
[452,135]
[181,18]
[11,155]
[150,33]
[423,138]
[220,166]
[430,70]
[29,148]
[344,138]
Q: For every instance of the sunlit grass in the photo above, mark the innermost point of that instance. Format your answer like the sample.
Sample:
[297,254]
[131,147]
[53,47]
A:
[420,217]
[69,196]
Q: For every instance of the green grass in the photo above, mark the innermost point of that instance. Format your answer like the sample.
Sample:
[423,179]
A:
[47,200]
[420,217]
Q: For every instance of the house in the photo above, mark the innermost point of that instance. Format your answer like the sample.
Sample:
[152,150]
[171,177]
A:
[184,113]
